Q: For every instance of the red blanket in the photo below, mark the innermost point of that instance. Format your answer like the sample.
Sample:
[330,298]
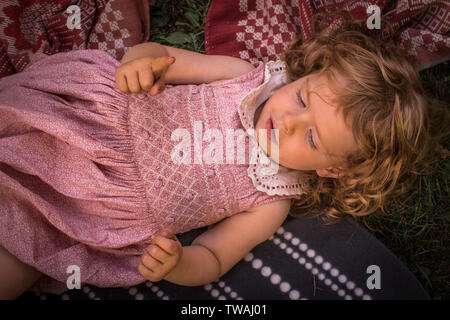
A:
[261,29]
[30,26]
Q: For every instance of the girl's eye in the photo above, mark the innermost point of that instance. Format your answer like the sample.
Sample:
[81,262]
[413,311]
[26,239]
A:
[299,95]
[311,140]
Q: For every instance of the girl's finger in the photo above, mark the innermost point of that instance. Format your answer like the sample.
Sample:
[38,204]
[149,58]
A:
[150,262]
[159,86]
[160,66]
[146,272]
[145,78]
[121,82]
[157,253]
[168,245]
[133,82]
[168,233]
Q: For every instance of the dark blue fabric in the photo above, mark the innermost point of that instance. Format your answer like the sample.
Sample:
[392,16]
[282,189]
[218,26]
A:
[305,259]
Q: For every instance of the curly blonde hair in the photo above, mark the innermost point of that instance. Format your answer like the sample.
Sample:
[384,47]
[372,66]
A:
[395,125]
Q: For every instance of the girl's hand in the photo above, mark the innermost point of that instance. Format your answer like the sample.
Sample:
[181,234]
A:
[161,256]
[141,74]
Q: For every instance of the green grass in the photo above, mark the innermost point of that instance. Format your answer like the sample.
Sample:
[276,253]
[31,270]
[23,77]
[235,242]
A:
[416,229]
[417,226]
[179,23]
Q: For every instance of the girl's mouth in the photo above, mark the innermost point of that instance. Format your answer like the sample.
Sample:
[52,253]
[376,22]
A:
[269,126]
[270,134]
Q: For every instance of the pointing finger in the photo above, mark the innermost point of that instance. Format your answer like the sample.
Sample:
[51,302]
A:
[160,65]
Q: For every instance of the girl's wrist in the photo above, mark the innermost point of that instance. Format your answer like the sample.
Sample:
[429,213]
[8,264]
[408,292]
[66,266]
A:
[197,266]
[147,49]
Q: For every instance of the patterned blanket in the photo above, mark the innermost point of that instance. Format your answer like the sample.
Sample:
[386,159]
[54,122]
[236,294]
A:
[261,29]
[51,26]
[31,26]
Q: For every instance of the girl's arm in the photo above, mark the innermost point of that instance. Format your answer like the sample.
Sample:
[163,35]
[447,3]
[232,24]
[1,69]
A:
[191,67]
[216,251]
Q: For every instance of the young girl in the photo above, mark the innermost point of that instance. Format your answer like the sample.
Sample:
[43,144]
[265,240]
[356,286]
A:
[89,181]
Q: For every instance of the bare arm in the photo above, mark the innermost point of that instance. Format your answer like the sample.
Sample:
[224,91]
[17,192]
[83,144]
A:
[216,251]
[191,67]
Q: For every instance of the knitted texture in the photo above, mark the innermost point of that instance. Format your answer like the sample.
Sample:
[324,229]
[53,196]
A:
[86,176]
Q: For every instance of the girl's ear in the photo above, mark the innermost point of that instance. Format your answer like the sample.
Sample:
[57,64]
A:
[329,173]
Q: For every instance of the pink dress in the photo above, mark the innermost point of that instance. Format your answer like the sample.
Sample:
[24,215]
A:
[87,172]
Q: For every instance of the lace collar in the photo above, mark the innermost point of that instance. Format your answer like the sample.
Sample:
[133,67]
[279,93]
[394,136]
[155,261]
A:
[267,175]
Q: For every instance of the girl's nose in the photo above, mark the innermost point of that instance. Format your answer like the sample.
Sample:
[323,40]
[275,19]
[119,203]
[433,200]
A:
[296,122]
[292,123]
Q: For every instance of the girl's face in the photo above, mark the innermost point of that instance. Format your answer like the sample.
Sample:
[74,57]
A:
[310,129]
